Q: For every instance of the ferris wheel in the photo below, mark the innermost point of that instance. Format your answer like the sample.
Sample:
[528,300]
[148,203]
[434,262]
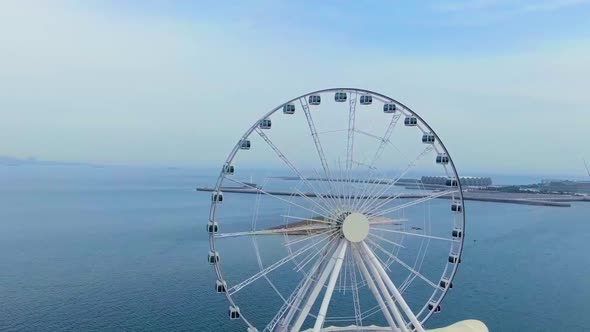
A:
[337,230]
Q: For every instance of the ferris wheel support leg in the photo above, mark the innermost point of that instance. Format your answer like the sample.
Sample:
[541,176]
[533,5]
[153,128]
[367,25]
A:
[303,291]
[396,294]
[316,291]
[331,284]
[374,290]
[381,285]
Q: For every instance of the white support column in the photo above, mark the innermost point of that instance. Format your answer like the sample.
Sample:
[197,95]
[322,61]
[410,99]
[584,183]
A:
[393,289]
[374,290]
[391,304]
[294,306]
[316,291]
[319,322]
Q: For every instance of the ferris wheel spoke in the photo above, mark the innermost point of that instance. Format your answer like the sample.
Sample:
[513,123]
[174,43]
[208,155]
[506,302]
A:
[394,291]
[307,219]
[385,221]
[371,201]
[386,240]
[351,127]
[386,137]
[413,234]
[328,231]
[327,247]
[294,169]
[278,198]
[319,206]
[412,203]
[370,182]
[278,231]
[236,288]
[374,290]
[325,185]
[317,143]
[364,183]
[402,263]
[370,190]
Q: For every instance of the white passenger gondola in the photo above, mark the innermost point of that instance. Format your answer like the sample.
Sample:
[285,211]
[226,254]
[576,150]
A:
[428,138]
[433,306]
[265,124]
[454,259]
[220,286]
[451,182]
[457,233]
[366,100]
[245,144]
[456,207]
[315,99]
[445,283]
[234,312]
[389,108]
[289,109]
[340,97]
[217,197]
[212,227]
[442,159]
[228,169]
[411,121]
[213,257]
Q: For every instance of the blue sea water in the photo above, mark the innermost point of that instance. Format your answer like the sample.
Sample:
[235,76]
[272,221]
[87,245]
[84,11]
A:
[123,249]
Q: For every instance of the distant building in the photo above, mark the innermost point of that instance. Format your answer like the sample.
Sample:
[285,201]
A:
[471,181]
[566,186]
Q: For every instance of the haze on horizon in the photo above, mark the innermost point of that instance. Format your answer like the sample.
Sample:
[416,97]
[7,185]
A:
[504,83]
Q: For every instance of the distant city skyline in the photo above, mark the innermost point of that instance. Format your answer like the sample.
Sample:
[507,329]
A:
[504,83]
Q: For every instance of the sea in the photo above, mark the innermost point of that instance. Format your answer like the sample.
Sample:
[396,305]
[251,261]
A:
[86,248]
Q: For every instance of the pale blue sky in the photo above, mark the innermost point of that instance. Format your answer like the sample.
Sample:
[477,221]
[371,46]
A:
[159,82]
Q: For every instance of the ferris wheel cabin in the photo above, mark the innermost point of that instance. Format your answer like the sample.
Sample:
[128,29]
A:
[456,207]
[451,182]
[217,197]
[234,312]
[366,100]
[411,121]
[433,306]
[220,286]
[289,109]
[457,233]
[213,257]
[212,227]
[315,99]
[442,159]
[454,259]
[245,144]
[228,169]
[265,124]
[340,97]
[428,138]
[389,108]
[445,283]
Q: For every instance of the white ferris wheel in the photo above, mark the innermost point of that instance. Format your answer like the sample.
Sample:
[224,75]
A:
[338,233]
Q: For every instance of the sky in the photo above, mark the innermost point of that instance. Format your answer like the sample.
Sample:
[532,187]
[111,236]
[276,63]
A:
[505,83]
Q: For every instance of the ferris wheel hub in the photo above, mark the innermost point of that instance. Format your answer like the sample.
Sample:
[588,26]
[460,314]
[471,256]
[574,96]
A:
[355,227]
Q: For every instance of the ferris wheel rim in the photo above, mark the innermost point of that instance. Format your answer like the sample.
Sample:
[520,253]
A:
[248,132]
